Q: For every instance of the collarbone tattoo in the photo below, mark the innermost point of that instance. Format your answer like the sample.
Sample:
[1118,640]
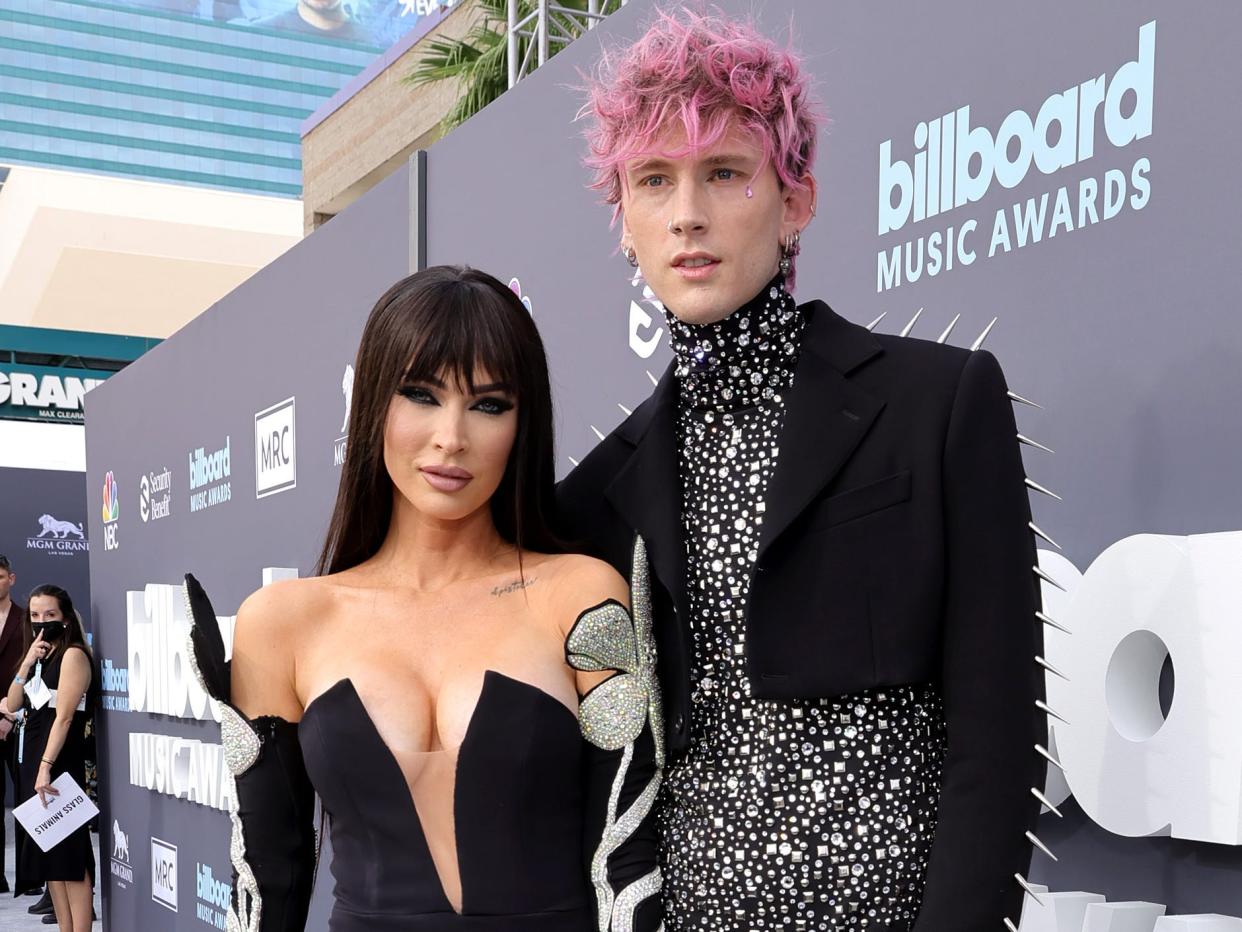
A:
[515,586]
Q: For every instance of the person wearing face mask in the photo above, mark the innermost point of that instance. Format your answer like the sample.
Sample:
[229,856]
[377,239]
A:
[845,591]
[475,708]
[56,686]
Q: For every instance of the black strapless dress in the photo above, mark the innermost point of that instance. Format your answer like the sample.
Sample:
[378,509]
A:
[517,807]
[551,814]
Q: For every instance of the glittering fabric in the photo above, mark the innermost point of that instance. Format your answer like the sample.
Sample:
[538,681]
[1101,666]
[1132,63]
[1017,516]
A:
[813,814]
[602,638]
[612,716]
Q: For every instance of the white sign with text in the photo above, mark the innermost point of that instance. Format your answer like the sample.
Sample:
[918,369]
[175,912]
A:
[51,824]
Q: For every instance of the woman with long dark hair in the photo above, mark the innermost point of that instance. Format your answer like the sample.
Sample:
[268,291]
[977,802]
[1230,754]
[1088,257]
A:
[426,683]
[55,686]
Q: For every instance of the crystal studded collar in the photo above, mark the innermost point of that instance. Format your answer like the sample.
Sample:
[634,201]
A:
[743,360]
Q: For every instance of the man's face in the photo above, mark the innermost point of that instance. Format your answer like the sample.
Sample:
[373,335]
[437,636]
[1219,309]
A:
[6,583]
[707,227]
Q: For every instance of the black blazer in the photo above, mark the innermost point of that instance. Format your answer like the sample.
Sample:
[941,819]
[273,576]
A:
[895,549]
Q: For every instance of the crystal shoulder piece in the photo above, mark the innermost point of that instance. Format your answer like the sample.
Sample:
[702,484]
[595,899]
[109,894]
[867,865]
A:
[609,637]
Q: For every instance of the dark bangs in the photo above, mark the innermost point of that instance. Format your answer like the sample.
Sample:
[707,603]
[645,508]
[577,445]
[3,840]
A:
[470,329]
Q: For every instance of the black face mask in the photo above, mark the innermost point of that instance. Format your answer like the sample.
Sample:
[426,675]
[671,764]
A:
[51,630]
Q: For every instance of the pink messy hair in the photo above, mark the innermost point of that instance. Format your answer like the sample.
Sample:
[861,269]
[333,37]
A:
[706,73]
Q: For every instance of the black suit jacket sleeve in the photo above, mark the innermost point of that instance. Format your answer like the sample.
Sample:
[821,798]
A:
[990,678]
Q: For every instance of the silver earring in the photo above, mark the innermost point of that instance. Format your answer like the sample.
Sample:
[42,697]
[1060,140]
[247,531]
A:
[789,248]
[631,257]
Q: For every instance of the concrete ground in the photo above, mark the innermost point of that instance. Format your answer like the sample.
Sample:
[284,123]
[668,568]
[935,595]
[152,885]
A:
[13,915]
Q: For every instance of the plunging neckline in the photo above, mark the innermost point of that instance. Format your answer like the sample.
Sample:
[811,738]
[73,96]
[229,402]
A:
[347,681]
[345,687]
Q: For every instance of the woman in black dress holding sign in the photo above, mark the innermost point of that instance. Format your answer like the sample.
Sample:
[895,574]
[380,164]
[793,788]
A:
[54,742]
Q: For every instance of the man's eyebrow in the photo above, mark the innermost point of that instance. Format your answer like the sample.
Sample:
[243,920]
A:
[650,165]
[727,158]
[713,161]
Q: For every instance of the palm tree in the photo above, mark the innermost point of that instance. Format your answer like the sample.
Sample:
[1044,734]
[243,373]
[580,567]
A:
[480,60]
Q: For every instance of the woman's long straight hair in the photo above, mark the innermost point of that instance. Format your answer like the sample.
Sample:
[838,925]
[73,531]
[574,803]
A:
[445,322]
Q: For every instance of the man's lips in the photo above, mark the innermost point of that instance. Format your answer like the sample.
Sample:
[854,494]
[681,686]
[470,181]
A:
[695,266]
[446,478]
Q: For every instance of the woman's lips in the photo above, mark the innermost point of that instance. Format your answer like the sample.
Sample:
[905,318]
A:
[446,480]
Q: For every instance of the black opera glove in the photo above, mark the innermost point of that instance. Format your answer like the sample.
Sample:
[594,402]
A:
[272,849]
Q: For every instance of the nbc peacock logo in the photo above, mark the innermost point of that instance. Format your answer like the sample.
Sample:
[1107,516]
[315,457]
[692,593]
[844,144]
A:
[111,506]
[111,511]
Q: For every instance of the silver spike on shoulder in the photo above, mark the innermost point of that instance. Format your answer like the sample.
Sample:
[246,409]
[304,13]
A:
[949,329]
[1023,401]
[1048,579]
[654,380]
[983,336]
[1009,925]
[1043,752]
[1032,484]
[905,331]
[1035,443]
[1030,891]
[1045,708]
[1051,623]
[1034,839]
[574,461]
[624,410]
[1050,668]
[872,325]
[1039,533]
[597,432]
[1047,803]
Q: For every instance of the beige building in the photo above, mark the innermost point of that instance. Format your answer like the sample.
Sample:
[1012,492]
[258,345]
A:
[118,255]
[373,125]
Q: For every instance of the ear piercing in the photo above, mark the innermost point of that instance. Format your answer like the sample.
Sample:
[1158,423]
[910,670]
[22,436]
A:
[789,249]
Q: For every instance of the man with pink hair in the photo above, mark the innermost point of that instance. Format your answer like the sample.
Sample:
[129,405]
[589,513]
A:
[837,522]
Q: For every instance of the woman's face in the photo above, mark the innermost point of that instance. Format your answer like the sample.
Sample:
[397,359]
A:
[445,447]
[46,617]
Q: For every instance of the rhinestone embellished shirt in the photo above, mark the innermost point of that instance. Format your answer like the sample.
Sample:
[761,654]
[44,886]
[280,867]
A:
[811,814]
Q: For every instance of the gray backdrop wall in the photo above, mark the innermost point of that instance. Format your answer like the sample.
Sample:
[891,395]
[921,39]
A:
[43,532]
[1119,320]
